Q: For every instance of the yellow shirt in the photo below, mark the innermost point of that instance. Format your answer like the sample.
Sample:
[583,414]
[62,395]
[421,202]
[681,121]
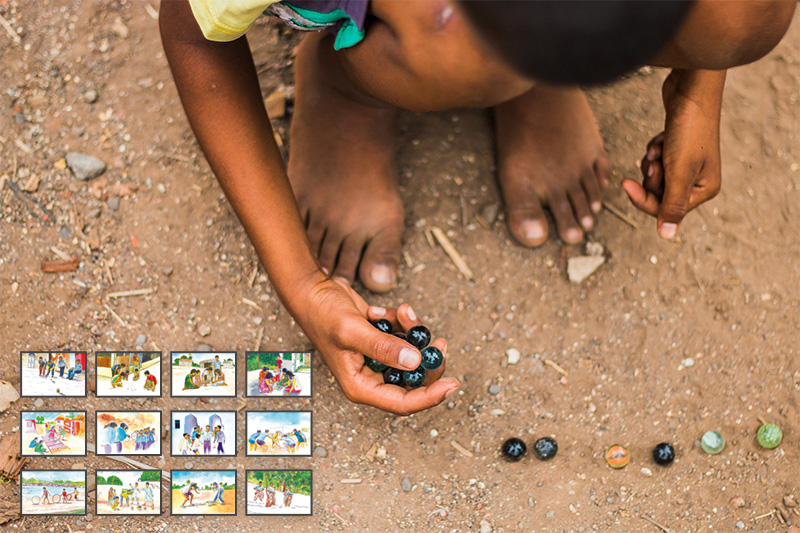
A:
[227,20]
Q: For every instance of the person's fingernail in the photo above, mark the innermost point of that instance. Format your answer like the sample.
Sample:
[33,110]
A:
[411,314]
[382,274]
[651,154]
[651,170]
[532,229]
[450,392]
[668,230]
[377,311]
[408,358]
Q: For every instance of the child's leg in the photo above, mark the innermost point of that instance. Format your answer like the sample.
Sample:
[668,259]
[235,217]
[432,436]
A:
[342,170]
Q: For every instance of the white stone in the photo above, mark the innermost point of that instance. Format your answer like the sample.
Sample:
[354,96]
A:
[581,267]
[513,356]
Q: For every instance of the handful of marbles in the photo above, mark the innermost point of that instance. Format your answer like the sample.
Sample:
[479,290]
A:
[419,337]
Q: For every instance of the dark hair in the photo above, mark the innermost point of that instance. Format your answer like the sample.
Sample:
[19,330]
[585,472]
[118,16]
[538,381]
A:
[581,42]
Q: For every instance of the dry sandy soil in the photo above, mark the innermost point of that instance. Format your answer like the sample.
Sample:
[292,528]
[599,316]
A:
[726,295]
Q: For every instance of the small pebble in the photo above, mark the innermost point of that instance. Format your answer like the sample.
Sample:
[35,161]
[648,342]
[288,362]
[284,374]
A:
[140,339]
[93,213]
[486,527]
[85,167]
[204,330]
[64,233]
[646,472]
[319,451]
[38,403]
[90,96]
[113,203]
[737,502]
[513,356]
[189,465]
[688,362]
[204,348]
[739,524]
[550,514]
[406,484]
[495,389]
[167,271]
[434,433]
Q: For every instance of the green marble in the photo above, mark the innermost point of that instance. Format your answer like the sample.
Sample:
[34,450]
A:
[712,442]
[769,436]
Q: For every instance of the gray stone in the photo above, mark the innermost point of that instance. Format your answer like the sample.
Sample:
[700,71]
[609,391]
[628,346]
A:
[495,389]
[167,271]
[739,525]
[203,348]
[113,203]
[38,403]
[406,484]
[319,451]
[90,96]
[550,514]
[204,330]
[94,213]
[140,339]
[85,167]
[64,232]
[486,527]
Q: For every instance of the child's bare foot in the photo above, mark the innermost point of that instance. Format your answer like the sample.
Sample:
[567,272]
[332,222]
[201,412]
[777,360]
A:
[550,153]
[342,170]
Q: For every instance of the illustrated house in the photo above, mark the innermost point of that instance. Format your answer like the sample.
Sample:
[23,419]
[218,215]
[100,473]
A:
[74,425]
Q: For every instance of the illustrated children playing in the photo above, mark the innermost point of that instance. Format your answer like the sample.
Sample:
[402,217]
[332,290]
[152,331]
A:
[150,381]
[334,211]
[218,489]
[189,492]
[77,369]
[259,492]
[119,373]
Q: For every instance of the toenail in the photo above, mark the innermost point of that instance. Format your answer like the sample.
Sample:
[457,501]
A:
[382,274]
[573,235]
[532,229]
[651,170]
[325,270]
[340,278]
[596,207]
[411,314]
[668,230]
[587,222]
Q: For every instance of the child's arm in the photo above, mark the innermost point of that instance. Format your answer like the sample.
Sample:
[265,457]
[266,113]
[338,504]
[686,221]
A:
[681,168]
[220,92]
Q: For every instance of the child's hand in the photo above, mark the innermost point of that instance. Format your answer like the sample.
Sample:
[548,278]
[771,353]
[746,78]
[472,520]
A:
[335,319]
[681,168]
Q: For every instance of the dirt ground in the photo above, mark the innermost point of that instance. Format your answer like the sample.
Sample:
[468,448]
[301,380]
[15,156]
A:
[725,295]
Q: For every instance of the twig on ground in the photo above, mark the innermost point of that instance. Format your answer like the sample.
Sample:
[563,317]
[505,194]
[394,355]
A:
[62,265]
[616,211]
[555,367]
[450,250]
[258,339]
[10,30]
[253,274]
[115,315]
[460,449]
[251,303]
[133,292]
[63,255]
[663,528]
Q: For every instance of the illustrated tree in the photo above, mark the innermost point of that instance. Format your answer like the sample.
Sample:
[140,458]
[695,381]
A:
[101,480]
[150,475]
[113,480]
[40,419]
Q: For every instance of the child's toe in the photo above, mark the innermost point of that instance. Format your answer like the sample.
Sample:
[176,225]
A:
[378,270]
[568,228]
[349,255]
[528,223]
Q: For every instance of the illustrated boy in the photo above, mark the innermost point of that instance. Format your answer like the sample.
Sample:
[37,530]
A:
[189,492]
[335,212]
[218,490]
[259,492]
[185,444]
[219,438]
[150,381]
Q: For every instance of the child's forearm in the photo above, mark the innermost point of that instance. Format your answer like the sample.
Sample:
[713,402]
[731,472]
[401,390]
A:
[702,87]
[219,88]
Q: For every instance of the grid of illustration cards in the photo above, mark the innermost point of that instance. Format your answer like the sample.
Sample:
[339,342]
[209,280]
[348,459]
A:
[197,431]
